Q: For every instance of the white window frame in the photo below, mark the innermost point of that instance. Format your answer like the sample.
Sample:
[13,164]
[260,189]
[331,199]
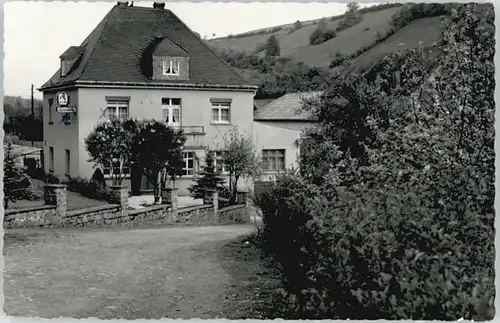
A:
[51,159]
[169,110]
[217,158]
[113,110]
[68,161]
[107,171]
[219,107]
[172,67]
[268,154]
[187,156]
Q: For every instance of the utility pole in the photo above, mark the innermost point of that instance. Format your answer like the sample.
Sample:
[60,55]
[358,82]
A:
[32,114]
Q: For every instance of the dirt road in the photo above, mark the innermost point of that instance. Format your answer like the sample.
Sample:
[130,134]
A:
[128,273]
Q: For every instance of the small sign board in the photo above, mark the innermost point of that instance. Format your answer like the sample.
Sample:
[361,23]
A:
[62,99]
[66,109]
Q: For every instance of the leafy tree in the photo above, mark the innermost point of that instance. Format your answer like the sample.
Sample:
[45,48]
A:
[240,159]
[157,149]
[352,8]
[272,47]
[414,218]
[296,26]
[209,179]
[109,143]
[16,183]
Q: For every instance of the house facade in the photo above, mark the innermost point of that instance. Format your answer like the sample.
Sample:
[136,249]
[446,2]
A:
[278,128]
[142,63]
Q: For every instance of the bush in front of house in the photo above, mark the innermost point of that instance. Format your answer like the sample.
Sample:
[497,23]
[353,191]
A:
[88,188]
[51,179]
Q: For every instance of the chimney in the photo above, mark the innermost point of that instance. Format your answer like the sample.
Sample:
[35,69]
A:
[122,3]
[159,5]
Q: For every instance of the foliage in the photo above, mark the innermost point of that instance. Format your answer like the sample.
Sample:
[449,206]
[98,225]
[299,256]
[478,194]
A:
[109,143]
[157,148]
[411,12]
[52,179]
[321,35]
[276,77]
[90,189]
[16,183]
[209,179]
[296,26]
[19,121]
[351,17]
[240,158]
[401,224]
[272,47]
[407,14]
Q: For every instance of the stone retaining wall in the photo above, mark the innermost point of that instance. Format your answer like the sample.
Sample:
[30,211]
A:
[54,214]
[234,214]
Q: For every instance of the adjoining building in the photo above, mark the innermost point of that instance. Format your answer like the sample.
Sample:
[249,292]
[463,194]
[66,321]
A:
[278,128]
[142,63]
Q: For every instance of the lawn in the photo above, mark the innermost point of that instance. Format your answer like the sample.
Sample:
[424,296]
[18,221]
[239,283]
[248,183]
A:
[74,200]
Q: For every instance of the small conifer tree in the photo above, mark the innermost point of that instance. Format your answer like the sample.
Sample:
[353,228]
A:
[16,182]
[209,179]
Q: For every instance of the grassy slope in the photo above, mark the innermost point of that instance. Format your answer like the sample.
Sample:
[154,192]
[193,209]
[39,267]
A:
[423,30]
[296,45]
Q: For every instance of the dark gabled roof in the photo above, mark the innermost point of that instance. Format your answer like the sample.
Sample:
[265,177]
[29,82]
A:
[113,52]
[72,52]
[286,108]
[167,47]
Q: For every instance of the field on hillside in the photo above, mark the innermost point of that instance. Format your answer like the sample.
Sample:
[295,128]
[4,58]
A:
[421,30]
[347,41]
[296,44]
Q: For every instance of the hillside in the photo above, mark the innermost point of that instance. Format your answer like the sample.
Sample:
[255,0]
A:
[375,32]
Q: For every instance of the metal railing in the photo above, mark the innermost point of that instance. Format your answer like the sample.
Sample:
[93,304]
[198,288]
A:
[191,129]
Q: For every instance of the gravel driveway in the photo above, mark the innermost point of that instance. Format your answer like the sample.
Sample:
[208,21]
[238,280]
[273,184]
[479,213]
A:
[121,273]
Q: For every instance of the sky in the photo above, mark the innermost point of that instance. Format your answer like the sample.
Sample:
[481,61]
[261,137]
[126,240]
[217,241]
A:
[37,33]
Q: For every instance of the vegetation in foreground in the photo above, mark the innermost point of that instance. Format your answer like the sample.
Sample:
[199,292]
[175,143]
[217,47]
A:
[391,215]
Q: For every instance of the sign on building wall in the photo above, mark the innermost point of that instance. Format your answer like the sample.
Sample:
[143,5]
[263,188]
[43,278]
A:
[63,107]
[62,99]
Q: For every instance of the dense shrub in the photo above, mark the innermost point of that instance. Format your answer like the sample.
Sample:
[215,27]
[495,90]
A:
[320,36]
[398,221]
[296,26]
[16,181]
[52,179]
[351,17]
[88,189]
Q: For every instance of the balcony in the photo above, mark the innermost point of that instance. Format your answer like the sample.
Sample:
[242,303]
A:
[191,130]
[194,136]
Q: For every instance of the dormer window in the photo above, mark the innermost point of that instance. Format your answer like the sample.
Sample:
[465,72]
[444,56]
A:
[171,67]
[69,59]
[168,61]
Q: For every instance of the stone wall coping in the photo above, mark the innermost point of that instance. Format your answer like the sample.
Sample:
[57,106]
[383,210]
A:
[148,209]
[232,207]
[56,185]
[117,187]
[193,207]
[91,209]
[29,209]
